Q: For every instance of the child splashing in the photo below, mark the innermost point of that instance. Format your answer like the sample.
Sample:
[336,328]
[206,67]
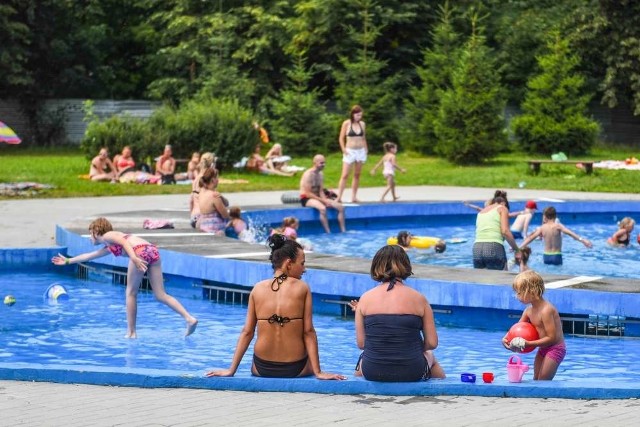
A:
[388,161]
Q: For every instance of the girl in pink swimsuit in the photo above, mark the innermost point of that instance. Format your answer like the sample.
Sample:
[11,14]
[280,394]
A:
[143,257]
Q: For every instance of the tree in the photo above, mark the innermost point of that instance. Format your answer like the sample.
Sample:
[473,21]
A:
[470,125]
[302,124]
[555,105]
[422,107]
[606,35]
[14,39]
[360,82]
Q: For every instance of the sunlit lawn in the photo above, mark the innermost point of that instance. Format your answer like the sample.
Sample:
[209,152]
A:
[62,168]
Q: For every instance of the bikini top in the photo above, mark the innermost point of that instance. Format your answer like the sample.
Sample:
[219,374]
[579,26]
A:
[124,163]
[281,319]
[116,249]
[624,241]
[353,133]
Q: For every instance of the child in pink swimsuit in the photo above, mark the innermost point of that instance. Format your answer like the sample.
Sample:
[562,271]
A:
[143,257]
[529,288]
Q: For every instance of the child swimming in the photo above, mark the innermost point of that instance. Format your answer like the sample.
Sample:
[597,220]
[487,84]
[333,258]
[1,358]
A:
[622,237]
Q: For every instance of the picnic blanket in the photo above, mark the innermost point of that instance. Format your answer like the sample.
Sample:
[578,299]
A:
[616,164]
[22,188]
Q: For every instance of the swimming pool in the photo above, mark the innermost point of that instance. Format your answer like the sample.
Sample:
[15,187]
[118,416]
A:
[365,237]
[86,332]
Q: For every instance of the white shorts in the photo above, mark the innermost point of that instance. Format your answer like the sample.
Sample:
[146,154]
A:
[354,155]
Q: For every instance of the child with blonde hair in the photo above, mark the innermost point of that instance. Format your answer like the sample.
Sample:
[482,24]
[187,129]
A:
[622,237]
[529,288]
[388,161]
[143,258]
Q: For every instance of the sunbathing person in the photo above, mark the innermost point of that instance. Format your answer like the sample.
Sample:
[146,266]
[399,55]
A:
[257,163]
[124,161]
[281,310]
[99,164]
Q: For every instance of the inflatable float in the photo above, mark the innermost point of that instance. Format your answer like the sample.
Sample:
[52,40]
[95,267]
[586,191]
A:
[422,242]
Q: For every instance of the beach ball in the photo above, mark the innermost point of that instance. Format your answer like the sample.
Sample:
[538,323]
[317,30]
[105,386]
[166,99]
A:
[524,330]
[9,300]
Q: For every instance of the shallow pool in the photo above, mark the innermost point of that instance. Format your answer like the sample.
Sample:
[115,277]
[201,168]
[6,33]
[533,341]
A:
[364,238]
[89,328]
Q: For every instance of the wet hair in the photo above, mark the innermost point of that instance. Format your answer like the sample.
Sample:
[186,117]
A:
[100,226]
[208,176]
[498,200]
[549,212]
[500,194]
[289,221]
[626,221]
[529,283]
[526,253]
[387,146]
[234,212]
[355,110]
[389,263]
[404,239]
[282,249]
[440,246]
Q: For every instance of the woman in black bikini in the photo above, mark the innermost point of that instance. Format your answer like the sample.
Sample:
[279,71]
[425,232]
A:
[280,307]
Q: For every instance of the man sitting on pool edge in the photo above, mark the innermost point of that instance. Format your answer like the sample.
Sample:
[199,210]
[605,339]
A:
[312,194]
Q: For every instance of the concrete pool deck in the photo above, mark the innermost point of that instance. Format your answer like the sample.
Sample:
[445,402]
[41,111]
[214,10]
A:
[30,223]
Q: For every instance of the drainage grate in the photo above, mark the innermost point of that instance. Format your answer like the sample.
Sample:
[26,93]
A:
[118,277]
[594,325]
[225,294]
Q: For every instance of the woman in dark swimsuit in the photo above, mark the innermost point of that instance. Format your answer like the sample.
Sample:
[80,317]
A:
[395,325]
[280,308]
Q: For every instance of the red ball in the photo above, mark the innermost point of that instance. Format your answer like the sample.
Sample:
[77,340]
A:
[523,330]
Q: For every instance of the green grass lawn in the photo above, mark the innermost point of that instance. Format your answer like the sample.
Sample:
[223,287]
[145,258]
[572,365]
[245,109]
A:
[61,168]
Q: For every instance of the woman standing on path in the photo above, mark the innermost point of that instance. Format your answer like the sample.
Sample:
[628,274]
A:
[353,144]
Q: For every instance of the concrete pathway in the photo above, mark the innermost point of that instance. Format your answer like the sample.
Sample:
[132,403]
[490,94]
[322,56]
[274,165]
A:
[31,223]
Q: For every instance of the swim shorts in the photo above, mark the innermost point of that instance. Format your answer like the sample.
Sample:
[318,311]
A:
[556,352]
[303,201]
[489,255]
[552,258]
[516,234]
[353,155]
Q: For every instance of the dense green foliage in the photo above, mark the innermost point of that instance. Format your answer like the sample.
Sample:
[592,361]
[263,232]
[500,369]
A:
[395,58]
[220,126]
[470,127]
[555,106]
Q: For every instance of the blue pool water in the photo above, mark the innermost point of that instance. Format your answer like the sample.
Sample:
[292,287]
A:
[88,330]
[364,238]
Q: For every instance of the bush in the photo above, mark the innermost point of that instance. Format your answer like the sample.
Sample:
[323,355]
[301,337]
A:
[220,126]
[114,133]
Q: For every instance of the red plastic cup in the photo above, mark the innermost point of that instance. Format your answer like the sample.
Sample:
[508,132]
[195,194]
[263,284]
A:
[487,377]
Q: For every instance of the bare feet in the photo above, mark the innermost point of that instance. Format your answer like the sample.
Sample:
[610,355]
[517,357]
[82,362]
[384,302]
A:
[355,201]
[131,335]
[396,198]
[191,326]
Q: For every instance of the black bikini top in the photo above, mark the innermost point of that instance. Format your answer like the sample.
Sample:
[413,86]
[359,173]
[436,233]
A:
[280,319]
[277,281]
[352,133]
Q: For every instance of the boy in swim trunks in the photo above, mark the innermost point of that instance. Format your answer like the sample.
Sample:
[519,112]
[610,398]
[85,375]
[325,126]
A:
[529,288]
[551,231]
[143,257]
